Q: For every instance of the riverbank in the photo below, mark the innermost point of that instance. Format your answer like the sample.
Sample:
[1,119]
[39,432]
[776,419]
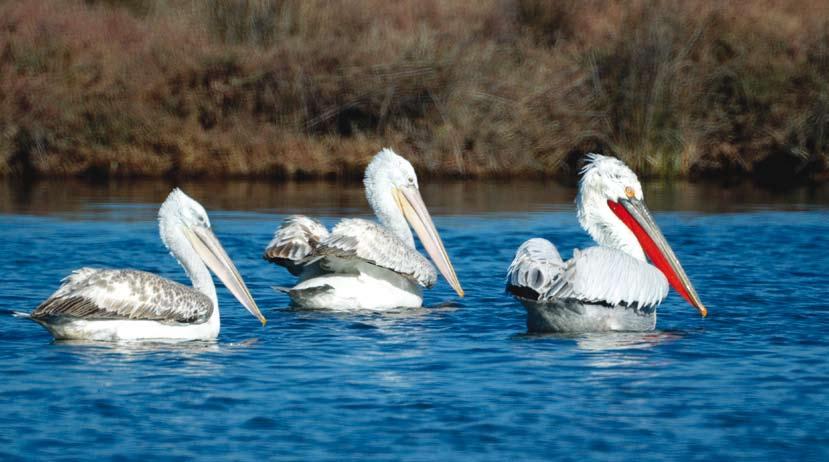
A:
[518,88]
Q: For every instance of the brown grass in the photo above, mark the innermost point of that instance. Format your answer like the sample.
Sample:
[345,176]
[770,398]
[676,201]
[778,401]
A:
[490,88]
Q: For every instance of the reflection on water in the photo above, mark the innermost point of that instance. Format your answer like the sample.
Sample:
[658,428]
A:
[190,355]
[625,340]
[377,319]
[69,196]
[141,347]
[613,348]
[192,359]
[609,350]
[605,341]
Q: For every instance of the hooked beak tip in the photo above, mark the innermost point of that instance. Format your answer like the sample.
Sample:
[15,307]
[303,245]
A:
[210,250]
[256,312]
[415,212]
[635,215]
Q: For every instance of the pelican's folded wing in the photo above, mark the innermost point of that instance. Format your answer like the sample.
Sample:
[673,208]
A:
[295,242]
[365,240]
[536,267]
[609,276]
[98,294]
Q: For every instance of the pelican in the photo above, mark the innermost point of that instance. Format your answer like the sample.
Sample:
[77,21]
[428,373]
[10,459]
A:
[610,287]
[362,264]
[126,304]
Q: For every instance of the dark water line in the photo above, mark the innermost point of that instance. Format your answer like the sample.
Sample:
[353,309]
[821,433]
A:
[70,195]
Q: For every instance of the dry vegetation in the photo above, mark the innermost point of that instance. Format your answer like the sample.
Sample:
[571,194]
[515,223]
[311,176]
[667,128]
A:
[490,88]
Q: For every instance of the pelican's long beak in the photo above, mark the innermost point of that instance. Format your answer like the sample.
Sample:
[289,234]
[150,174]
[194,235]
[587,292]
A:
[410,202]
[635,214]
[215,257]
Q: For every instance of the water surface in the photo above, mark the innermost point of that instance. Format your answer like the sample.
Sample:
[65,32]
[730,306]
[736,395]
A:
[459,378]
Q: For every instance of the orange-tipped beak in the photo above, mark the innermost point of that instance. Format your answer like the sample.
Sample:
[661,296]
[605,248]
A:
[636,216]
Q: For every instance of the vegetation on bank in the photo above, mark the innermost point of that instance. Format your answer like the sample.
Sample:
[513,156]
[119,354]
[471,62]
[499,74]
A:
[491,88]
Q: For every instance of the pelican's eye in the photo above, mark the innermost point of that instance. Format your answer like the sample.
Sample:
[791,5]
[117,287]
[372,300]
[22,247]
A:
[411,180]
[629,192]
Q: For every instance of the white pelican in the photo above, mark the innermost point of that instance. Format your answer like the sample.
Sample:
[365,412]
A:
[606,288]
[362,264]
[113,305]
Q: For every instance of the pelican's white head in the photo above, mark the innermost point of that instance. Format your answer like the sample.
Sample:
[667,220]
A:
[612,209]
[185,230]
[607,179]
[385,172]
[181,209]
[393,192]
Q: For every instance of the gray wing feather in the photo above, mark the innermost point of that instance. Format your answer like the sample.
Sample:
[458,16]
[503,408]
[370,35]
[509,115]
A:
[368,241]
[295,242]
[605,275]
[536,267]
[125,294]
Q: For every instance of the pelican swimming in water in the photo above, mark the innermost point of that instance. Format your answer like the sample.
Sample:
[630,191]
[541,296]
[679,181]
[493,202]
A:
[113,305]
[361,264]
[606,288]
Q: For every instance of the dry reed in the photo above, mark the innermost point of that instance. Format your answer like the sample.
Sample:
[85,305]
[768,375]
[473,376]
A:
[492,88]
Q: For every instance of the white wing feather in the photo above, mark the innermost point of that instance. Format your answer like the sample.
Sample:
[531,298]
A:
[605,275]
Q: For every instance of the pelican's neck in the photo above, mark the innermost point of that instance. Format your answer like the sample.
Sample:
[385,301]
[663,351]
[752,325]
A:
[596,217]
[381,198]
[180,248]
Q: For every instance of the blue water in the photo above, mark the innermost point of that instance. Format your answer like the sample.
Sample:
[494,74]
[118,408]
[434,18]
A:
[459,379]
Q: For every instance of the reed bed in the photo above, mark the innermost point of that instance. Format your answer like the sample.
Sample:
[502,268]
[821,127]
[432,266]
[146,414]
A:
[496,88]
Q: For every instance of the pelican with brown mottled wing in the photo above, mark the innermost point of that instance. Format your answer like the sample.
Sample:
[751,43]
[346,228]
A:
[606,288]
[115,305]
[362,264]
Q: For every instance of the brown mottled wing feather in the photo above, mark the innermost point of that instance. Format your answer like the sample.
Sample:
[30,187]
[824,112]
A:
[295,242]
[97,294]
[370,242]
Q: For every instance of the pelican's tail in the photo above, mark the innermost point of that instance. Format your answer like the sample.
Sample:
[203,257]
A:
[17,314]
[294,243]
[304,292]
[308,297]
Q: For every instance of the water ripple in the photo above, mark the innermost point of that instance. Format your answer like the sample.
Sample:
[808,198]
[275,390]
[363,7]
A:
[460,378]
